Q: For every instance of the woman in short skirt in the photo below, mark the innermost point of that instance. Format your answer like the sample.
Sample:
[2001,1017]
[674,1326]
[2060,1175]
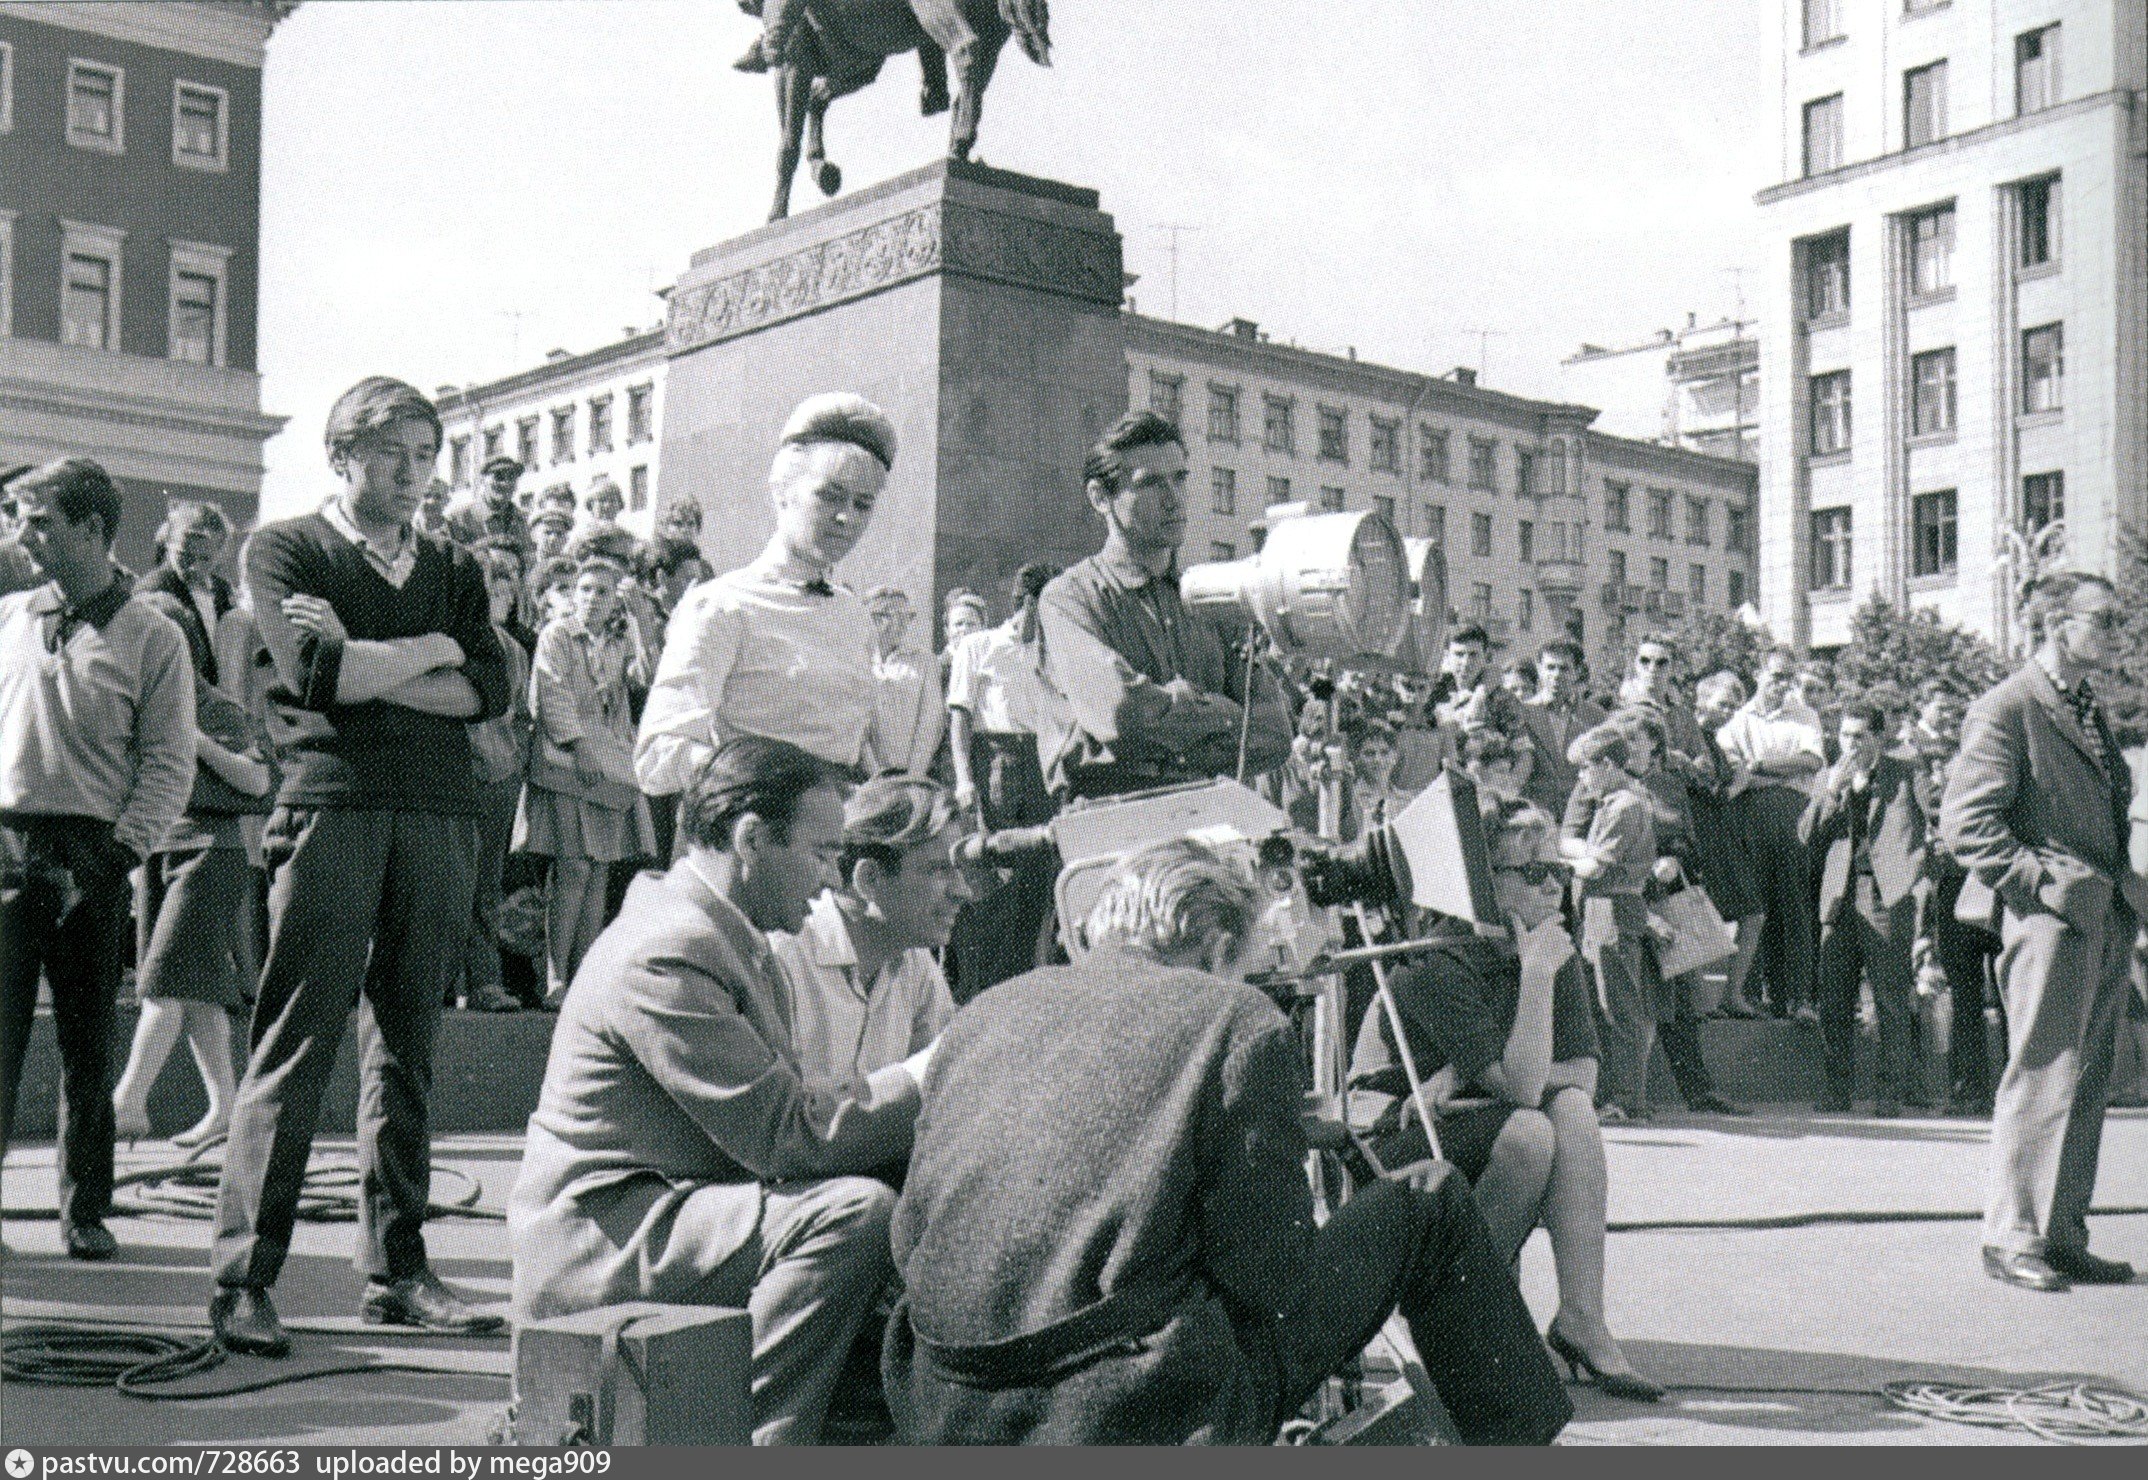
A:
[582,808]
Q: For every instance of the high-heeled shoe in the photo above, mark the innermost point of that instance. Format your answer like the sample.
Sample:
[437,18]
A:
[1631,1386]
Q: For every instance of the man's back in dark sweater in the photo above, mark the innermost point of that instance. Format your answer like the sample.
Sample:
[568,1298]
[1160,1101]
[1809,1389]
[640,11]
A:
[377,754]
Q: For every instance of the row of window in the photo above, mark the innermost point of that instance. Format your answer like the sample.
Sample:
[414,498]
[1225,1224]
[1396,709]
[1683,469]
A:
[640,427]
[1924,94]
[1659,578]
[1618,517]
[92,271]
[1823,18]
[1932,393]
[96,112]
[1934,531]
[1927,238]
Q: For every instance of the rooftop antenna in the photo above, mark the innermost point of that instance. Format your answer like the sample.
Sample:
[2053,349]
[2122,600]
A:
[1174,228]
[1484,338]
[516,316]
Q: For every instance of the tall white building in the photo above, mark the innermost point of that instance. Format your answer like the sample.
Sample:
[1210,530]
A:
[1697,387]
[1955,307]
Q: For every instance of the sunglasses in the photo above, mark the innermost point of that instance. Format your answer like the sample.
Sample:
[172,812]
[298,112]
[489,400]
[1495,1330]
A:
[1535,873]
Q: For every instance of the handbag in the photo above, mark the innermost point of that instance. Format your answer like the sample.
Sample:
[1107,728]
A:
[1699,940]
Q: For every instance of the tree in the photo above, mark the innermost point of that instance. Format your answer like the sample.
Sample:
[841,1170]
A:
[1892,654]
[2124,687]
[1708,642]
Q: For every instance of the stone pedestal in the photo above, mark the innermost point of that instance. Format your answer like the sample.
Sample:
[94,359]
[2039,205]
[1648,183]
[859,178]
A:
[979,308]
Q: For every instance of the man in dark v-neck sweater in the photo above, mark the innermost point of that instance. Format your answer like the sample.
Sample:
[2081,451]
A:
[385,655]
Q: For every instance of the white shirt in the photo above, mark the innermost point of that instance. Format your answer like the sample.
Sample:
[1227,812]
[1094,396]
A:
[394,561]
[999,679]
[751,652]
[840,1030]
[1755,738]
[907,713]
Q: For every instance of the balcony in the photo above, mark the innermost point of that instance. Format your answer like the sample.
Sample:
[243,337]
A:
[1560,576]
[1621,598]
[1659,603]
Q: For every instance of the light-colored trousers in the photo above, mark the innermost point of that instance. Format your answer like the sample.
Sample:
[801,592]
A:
[2065,989]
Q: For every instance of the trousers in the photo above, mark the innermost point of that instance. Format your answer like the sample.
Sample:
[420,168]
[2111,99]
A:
[64,902]
[479,965]
[1783,870]
[366,909]
[1868,941]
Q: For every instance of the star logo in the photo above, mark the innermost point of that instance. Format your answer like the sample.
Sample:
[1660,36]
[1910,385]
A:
[19,1463]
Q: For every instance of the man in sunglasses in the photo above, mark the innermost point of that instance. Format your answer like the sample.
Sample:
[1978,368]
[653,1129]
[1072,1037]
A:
[2036,810]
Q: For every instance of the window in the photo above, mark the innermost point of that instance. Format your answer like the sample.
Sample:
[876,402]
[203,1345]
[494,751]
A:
[1827,275]
[1659,513]
[563,434]
[2037,206]
[1830,550]
[1524,472]
[1934,549]
[526,442]
[1555,540]
[1331,499]
[1278,490]
[89,286]
[1823,21]
[1823,135]
[459,462]
[1167,396]
[1480,602]
[96,107]
[2036,70]
[1334,435]
[1277,433]
[1696,520]
[2043,500]
[1384,506]
[1924,105]
[1385,451]
[1659,572]
[1931,251]
[2043,368]
[638,487]
[1223,490]
[199,276]
[640,414]
[1525,542]
[1738,529]
[1618,567]
[1618,507]
[1525,609]
[1931,393]
[1483,463]
[7,87]
[1436,524]
[1223,413]
[1735,581]
[492,443]
[1222,550]
[201,135]
[1480,535]
[600,424]
[1432,464]
[1697,584]
[1830,397]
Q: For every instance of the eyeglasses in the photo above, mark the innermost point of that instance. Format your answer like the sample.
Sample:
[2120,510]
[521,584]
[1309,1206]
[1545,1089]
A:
[1640,662]
[1536,873]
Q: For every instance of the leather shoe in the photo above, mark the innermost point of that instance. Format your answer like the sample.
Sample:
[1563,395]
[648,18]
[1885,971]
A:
[245,1321]
[1714,1105]
[2084,1268]
[422,1300]
[92,1242]
[2029,1271]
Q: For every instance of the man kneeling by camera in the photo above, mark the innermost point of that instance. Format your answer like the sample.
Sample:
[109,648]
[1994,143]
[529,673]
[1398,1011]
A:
[1107,1235]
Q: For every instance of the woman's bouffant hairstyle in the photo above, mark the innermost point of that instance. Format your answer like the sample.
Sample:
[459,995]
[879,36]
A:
[1171,897]
[371,407]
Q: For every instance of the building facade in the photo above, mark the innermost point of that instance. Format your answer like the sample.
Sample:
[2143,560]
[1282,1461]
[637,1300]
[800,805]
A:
[573,420]
[130,232]
[1955,314]
[1696,387]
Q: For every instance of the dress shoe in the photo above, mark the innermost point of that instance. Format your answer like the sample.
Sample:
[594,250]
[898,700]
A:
[2084,1268]
[1712,1104]
[2029,1271]
[422,1300]
[245,1321]
[91,1242]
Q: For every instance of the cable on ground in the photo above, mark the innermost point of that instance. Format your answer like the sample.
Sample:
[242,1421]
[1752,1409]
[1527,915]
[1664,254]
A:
[1817,1220]
[329,1194]
[137,1362]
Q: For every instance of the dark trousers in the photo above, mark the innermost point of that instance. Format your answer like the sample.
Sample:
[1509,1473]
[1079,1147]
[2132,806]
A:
[1783,870]
[64,902]
[367,909]
[479,962]
[1870,941]
[1429,1254]
[1965,953]
[1680,1036]
[995,936]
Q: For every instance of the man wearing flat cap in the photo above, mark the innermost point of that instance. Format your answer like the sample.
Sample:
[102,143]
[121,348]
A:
[777,648]
[492,512]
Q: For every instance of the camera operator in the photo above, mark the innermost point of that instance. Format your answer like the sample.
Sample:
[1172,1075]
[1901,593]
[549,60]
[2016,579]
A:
[1154,689]
[1107,1236]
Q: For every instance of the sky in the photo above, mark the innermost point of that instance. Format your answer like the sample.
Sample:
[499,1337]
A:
[453,187]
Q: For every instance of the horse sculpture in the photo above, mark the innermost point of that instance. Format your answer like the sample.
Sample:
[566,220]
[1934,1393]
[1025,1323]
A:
[842,45]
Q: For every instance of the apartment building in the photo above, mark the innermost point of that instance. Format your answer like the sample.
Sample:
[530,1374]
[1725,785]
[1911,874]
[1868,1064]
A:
[1955,307]
[1697,387]
[130,234]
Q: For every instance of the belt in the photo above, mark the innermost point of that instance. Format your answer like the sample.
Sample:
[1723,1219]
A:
[1115,1325]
